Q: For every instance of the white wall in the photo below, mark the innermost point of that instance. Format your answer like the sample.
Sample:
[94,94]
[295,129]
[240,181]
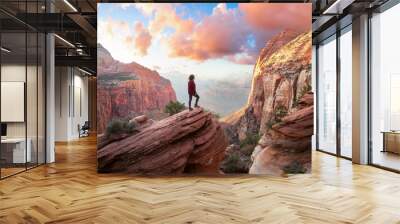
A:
[33,126]
[81,103]
[15,73]
[71,94]
[62,81]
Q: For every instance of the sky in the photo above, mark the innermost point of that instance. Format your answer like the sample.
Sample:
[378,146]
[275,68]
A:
[210,40]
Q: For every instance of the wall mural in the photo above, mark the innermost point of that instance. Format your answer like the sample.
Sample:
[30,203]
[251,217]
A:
[204,88]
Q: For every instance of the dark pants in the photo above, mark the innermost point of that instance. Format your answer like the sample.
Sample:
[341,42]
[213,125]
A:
[190,100]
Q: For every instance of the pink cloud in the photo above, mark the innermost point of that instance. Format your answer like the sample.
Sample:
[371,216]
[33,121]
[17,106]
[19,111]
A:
[268,19]
[275,16]
[221,34]
[244,59]
[165,16]
[224,33]
[142,39]
[123,37]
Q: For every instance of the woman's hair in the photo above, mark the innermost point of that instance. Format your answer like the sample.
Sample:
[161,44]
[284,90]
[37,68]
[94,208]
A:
[191,77]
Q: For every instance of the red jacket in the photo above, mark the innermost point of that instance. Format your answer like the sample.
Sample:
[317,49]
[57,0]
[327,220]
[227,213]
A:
[191,88]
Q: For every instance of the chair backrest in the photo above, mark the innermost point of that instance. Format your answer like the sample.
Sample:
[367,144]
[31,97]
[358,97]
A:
[86,125]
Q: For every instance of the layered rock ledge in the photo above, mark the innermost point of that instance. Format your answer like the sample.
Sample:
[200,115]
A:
[187,142]
[287,145]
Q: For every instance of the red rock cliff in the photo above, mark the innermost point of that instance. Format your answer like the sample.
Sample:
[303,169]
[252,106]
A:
[279,107]
[128,90]
[286,146]
[281,75]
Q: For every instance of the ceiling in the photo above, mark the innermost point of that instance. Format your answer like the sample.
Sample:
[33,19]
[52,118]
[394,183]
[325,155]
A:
[332,15]
[73,21]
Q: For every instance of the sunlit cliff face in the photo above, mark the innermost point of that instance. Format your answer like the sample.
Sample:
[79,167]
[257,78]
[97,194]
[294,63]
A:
[296,53]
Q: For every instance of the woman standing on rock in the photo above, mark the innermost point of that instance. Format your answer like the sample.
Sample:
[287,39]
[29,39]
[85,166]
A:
[192,92]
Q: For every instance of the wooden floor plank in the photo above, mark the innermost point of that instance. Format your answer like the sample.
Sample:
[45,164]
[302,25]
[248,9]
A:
[71,191]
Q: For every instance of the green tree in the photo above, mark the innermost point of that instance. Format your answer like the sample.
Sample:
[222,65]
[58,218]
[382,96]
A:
[280,112]
[251,139]
[174,107]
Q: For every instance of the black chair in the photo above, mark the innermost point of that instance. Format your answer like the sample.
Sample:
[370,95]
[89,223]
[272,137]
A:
[84,130]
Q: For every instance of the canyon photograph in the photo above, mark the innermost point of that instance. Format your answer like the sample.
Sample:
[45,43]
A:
[247,64]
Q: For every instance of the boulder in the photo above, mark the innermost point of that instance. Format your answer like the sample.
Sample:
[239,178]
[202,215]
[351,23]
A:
[187,142]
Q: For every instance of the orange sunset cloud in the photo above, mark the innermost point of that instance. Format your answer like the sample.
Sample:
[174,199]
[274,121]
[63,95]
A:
[142,38]
[295,17]
[235,34]
[222,33]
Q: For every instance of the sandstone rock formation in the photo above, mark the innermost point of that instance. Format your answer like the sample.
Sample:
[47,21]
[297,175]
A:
[139,123]
[187,142]
[281,76]
[128,90]
[281,82]
[286,147]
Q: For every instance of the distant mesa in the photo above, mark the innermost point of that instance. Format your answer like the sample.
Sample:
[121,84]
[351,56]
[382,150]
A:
[128,90]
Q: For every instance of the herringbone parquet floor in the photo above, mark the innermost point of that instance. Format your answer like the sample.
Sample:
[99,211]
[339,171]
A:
[71,191]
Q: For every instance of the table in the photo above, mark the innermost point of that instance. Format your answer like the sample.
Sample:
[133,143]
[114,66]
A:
[13,150]
[391,141]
